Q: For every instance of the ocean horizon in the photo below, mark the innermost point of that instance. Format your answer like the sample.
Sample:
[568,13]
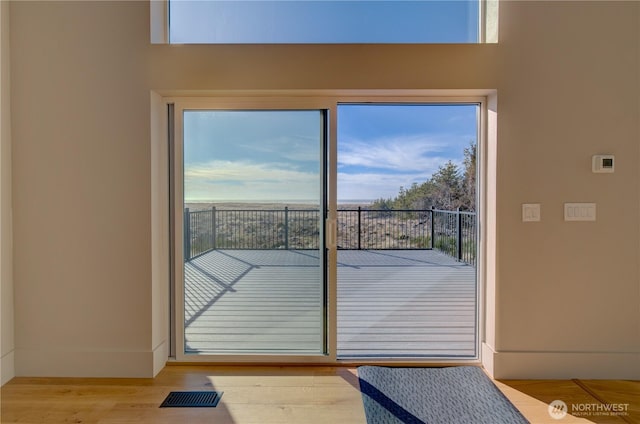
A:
[295,201]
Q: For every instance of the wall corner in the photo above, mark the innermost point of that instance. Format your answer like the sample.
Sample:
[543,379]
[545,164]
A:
[7,322]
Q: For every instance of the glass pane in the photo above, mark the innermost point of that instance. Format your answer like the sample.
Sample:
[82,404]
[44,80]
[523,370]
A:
[253,275]
[407,230]
[312,21]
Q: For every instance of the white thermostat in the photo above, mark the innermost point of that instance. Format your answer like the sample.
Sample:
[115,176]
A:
[602,163]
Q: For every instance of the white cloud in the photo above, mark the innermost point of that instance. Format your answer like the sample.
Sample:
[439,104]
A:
[373,186]
[227,180]
[404,153]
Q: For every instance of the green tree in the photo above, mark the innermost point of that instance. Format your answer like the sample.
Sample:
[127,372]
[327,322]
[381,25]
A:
[448,188]
[469,177]
[447,184]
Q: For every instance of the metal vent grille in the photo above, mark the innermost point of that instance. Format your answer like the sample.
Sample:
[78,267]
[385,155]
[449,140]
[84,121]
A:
[192,400]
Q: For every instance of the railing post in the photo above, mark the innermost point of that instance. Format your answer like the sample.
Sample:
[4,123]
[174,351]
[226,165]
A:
[286,227]
[187,235]
[359,227]
[213,228]
[459,233]
[433,227]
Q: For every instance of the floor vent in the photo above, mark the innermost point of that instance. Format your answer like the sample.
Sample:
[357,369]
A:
[192,400]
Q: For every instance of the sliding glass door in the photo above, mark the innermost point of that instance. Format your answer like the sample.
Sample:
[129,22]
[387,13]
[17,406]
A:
[321,229]
[407,233]
[253,256]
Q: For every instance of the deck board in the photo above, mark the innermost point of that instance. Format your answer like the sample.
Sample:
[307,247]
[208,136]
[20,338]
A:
[390,303]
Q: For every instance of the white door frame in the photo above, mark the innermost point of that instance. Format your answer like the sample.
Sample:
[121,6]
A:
[317,100]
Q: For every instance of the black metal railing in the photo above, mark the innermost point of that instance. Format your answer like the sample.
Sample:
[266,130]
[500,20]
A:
[455,233]
[451,232]
[286,228]
[384,229]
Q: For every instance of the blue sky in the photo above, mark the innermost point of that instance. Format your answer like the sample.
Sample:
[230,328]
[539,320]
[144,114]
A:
[384,147]
[275,155]
[252,155]
[324,21]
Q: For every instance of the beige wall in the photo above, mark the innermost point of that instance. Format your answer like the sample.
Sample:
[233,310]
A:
[7,344]
[81,156]
[568,293]
[87,255]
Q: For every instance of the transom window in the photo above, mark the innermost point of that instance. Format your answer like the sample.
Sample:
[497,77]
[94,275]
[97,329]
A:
[326,21]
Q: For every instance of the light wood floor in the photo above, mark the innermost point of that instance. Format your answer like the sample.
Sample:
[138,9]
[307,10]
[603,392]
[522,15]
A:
[265,395]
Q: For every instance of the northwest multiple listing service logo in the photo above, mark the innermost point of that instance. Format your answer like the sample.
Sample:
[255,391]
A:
[559,409]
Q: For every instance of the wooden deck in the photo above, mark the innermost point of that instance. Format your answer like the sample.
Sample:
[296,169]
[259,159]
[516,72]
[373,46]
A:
[390,303]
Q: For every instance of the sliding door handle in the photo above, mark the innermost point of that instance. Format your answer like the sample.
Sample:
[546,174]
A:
[330,229]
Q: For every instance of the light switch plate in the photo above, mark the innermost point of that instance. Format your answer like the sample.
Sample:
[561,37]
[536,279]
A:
[530,212]
[579,211]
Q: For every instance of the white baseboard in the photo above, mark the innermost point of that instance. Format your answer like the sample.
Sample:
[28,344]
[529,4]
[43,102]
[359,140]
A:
[59,363]
[561,365]
[7,367]
[160,357]
[487,354]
